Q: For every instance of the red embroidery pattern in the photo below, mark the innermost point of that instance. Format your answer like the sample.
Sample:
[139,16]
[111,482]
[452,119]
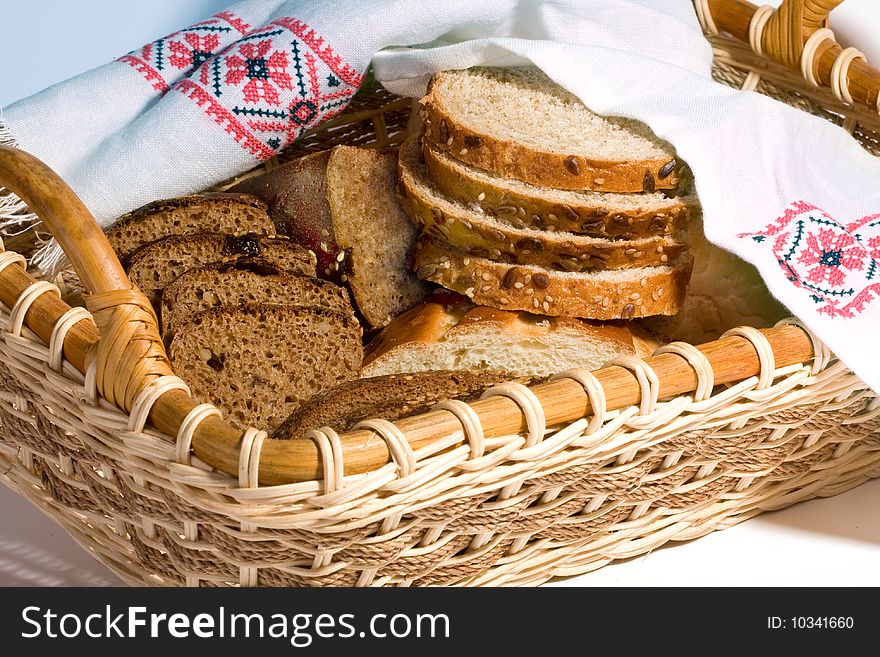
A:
[836,264]
[265,87]
[163,61]
[272,85]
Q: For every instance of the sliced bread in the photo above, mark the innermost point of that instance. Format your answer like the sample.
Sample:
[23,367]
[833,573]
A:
[246,280]
[213,212]
[342,204]
[516,122]
[369,222]
[390,397]
[607,294]
[448,332]
[156,264]
[257,362]
[480,234]
[600,214]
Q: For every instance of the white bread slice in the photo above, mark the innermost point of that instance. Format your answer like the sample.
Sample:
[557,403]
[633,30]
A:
[600,214]
[516,122]
[448,332]
[482,235]
[607,294]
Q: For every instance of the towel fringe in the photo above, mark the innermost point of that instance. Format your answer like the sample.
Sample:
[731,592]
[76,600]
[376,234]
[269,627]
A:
[46,259]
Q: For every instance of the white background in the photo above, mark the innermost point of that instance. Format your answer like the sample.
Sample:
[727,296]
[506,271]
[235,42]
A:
[834,541]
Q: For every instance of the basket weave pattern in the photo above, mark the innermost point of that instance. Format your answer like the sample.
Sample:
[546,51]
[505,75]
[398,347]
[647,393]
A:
[465,510]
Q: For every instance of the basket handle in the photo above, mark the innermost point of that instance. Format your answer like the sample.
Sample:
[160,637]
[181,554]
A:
[785,31]
[129,333]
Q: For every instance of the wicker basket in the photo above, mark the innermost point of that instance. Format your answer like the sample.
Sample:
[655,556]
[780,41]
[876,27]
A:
[521,486]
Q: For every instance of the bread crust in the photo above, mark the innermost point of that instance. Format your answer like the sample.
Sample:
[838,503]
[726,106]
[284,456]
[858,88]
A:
[481,236]
[543,168]
[580,216]
[661,291]
[449,316]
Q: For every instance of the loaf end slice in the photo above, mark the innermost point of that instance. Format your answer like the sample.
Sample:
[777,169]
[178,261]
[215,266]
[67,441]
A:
[455,334]
[390,397]
[258,362]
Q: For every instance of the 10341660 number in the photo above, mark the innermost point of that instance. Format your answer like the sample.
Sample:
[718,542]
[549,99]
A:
[810,622]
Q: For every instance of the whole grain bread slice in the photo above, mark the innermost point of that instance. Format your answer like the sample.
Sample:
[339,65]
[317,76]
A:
[155,265]
[480,234]
[342,203]
[517,123]
[258,362]
[390,397]
[600,214]
[370,224]
[607,294]
[246,280]
[211,212]
[449,332]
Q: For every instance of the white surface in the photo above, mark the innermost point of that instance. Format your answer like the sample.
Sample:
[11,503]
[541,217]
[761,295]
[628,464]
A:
[834,541]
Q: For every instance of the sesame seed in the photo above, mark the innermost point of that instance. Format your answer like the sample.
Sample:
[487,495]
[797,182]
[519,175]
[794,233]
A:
[599,181]
[469,292]
[545,306]
[482,196]
[664,258]
[466,261]
[324,247]
[486,276]
[527,279]
[485,288]
[449,142]
[659,249]
[530,291]
[463,151]
[343,278]
[325,232]
[635,295]
[644,281]
[536,303]
[340,256]
[606,302]
[504,301]
[549,299]
[518,285]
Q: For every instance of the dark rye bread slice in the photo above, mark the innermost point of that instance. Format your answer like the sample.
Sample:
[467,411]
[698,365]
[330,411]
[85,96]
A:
[517,123]
[246,280]
[342,204]
[482,235]
[258,362]
[212,212]
[600,214]
[390,397]
[155,265]
[607,294]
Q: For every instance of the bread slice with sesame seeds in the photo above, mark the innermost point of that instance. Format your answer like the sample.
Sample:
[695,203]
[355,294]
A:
[600,214]
[480,234]
[517,123]
[606,294]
